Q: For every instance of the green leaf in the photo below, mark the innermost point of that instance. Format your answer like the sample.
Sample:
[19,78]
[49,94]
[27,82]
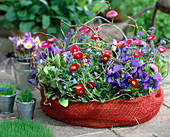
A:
[35,29]
[64,102]
[83,99]
[51,30]
[11,15]
[45,21]
[4,7]
[46,70]
[22,13]
[53,84]
[34,9]
[31,17]
[26,26]
[44,2]
[56,9]
[25,3]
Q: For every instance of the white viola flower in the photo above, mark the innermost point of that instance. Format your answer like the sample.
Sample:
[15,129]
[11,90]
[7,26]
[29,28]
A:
[28,44]
[37,41]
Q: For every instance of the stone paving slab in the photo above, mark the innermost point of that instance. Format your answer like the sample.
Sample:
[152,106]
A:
[153,128]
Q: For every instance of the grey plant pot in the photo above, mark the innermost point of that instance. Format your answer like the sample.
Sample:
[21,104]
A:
[26,109]
[7,103]
[21,72]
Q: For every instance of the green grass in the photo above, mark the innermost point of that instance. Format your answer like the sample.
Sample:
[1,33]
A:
[11,88]
[24,128]
[25,95]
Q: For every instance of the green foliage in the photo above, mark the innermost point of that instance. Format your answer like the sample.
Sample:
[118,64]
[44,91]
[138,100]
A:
[25,95]
[35,14]
[11,88]
[24,128]
[132,7]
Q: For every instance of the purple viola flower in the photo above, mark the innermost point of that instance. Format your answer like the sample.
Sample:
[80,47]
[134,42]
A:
[147,81]
[33,81]
[69,33]
[57,79]
[26,35]
[83,33]
[162,41]
[139,33]
[95,73]
[135,63]
[42,55]
[109,80]
[126,80]
[98,53]
[64,87]
[13,39]
[152,28]
[137,36]
[157,78]
[52,68]
[74,80]
[109,72]
[89,50]
[117,68]
[68,60]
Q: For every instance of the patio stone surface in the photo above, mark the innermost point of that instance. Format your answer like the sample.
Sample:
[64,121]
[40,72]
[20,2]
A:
[159,126]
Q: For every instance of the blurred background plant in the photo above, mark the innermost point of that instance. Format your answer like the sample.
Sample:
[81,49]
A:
[25,95]
[11,89]
[132,7]
[42,14]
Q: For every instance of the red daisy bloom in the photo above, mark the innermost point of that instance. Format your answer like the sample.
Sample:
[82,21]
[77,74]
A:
[111,14]
[137,42]
[89,29]
[46,45]
[74,67]
[74,49]
[61,51]
[85,63]
[161,49]
[81,92]
[117,41]
[98,29]
[79,86]
[91,84]
[83,28]
[151,37]
[95,36]
[129,41]
[121,44]
[136,53]
[105,58]
[51,40]
[78,55]
[86,56]
[134,82]
[108,52]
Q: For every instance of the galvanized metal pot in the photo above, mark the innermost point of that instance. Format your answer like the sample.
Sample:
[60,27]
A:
[7,103]
[21,72]
[26,109]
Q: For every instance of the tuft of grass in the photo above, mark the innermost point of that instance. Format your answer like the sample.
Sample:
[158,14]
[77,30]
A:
[11,88]
[24,128]
[25,95]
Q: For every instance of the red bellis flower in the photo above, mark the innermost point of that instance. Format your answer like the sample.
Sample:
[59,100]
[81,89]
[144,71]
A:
[89,29]
[74,67]
[134,82]
[151,37]
[78,55]
[105,58]
[95,36]
[51,40]
[46,45]
[136,53]
[80,90]
[74,49]
[111,14]
[161,49]
[91,84]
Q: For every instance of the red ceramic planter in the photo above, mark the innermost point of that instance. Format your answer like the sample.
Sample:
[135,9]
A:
[108,114]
